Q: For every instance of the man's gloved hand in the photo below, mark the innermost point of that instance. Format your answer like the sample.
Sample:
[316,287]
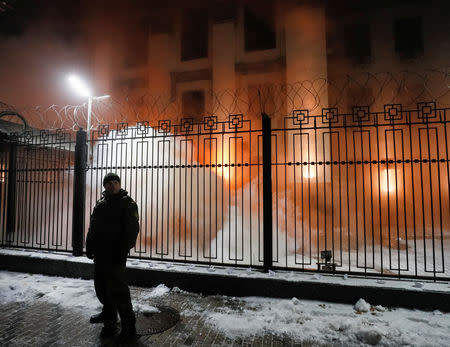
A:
[90,255]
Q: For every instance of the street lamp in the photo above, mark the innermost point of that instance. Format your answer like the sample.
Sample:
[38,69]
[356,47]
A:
[81,88]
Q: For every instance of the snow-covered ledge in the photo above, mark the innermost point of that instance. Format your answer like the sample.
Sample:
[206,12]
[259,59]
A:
[243,282]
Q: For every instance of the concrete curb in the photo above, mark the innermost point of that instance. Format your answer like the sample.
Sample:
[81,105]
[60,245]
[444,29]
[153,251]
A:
[218,284]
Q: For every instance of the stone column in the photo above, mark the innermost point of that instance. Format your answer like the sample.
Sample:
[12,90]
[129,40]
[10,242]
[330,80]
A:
[306,58]
[223,61]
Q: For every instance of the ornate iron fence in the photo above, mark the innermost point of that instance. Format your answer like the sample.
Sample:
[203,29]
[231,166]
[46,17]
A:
[371,187]
[36,188]
[357,192]
[190,182]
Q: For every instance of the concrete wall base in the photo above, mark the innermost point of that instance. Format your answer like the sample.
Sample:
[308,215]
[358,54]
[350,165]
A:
[217,284]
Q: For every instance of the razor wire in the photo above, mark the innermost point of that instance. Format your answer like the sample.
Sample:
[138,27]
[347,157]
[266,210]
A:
[278,100]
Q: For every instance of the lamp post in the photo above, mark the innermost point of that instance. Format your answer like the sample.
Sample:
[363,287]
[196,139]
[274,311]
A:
[81,88]
[82,156]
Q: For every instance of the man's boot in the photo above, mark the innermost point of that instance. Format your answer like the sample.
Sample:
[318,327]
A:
[109,329]
[102,317]
[128,331]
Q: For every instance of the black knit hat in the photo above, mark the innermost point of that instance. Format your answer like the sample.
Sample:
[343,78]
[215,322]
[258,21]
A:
[111,176]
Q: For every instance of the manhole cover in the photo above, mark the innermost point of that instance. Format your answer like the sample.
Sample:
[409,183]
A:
[148,323]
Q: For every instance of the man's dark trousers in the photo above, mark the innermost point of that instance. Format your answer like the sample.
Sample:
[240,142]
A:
[112,291]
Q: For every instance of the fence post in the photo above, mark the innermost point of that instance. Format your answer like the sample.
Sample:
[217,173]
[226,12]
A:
[267,191]
[12,180]
[79,193]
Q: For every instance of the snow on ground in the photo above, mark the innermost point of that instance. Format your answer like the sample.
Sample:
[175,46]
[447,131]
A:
[290,276]
[309,322]
[314,321]
[68,292]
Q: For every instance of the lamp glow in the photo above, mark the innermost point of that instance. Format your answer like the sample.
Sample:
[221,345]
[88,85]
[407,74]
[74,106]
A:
[82,89]
[79,86]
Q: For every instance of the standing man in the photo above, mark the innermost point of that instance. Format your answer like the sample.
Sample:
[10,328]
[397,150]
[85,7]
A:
[113,230]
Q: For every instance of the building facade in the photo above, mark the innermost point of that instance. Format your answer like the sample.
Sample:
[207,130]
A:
[226,57]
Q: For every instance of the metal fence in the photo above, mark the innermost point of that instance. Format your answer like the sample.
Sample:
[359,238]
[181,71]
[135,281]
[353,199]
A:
[36,189]
[190,181]
[358,192]
[371,187]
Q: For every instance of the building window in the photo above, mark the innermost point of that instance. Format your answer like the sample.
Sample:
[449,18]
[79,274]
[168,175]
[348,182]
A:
[193,104]
[136,45]
[224,10]
[259,25]
[194,34]
[408,37]
[358,43]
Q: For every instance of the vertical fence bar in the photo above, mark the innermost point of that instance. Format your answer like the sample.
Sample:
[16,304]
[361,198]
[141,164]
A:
[79,193]
[267,191]
[11,201]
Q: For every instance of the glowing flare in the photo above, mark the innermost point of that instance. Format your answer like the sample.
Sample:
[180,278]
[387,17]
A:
[224,172]
[309,172]
[388,180]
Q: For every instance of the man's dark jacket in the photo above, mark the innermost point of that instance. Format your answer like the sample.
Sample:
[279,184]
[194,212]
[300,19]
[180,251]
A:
[113,228]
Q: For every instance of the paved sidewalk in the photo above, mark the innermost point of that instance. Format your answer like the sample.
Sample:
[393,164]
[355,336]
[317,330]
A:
[41,310]
[45,324]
